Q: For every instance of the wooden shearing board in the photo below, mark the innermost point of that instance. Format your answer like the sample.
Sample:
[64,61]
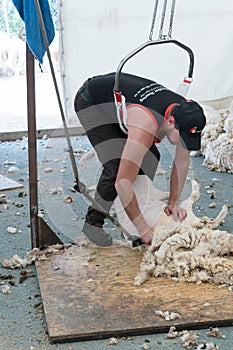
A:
[88,293]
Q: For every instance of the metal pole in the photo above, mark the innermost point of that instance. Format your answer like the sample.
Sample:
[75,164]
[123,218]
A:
[171,18]
[32,147]
[153,20]
[162,20]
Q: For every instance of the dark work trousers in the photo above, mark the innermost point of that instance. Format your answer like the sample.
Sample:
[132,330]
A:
[103,130]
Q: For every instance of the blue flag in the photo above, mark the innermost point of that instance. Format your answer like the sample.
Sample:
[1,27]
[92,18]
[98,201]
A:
[28,13]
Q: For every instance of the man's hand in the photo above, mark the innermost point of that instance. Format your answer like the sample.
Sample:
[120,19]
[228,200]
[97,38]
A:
[146,236]
[179,214]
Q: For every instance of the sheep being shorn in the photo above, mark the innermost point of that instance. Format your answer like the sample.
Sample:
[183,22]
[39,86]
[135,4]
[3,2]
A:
[194,250]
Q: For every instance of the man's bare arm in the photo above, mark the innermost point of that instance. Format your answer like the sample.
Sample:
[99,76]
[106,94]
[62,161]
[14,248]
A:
[138,143]
[178,176]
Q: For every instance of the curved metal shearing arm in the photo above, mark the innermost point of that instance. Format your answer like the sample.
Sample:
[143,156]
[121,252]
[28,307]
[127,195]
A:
[150,43]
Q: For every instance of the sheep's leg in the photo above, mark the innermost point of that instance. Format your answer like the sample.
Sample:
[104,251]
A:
[195,195]
[216,222]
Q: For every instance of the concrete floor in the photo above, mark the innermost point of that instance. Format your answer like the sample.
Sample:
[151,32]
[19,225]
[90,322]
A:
[22,321]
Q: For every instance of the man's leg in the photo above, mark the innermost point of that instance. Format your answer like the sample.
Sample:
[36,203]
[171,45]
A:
[108,141]
[107,151]
[105,193]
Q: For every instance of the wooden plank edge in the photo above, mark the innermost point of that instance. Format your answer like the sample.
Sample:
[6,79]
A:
[59,132]
[138,331]
[11,188]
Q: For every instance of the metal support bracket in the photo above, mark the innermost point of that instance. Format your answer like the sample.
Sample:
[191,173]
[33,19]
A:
[41,233]
[151,43]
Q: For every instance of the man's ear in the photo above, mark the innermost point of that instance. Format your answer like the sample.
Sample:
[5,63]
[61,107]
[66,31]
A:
[171,120]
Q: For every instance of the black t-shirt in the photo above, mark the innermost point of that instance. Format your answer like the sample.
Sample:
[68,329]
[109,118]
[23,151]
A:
[137,90]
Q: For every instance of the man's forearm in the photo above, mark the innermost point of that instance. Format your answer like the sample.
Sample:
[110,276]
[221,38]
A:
[177,180]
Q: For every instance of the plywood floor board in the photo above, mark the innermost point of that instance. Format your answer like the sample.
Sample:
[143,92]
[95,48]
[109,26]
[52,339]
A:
[88,293]
[8,184]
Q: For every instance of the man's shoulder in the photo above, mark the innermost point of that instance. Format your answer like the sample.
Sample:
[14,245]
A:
[141,118]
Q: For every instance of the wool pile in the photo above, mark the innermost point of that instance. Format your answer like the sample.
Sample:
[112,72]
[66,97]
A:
[190,253]
[217,139]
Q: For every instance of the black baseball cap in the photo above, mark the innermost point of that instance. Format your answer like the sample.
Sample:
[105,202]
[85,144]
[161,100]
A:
[190,119]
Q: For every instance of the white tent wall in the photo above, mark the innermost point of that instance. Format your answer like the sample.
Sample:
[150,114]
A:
[97,34]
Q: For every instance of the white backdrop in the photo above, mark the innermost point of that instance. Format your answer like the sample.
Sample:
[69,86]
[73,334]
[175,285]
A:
[97,34]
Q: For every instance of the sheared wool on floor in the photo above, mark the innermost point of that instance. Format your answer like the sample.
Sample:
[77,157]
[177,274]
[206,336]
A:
[190,339]
[194,250]
[217,139]
[36,254]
